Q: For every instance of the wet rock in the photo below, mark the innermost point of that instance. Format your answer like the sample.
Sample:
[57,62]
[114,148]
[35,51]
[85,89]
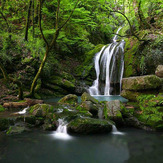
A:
[91,107]
[86,97]
[139,83]
[159,71]
[40,110]
[89,126]
[69,99]
[16,130]
[112,111]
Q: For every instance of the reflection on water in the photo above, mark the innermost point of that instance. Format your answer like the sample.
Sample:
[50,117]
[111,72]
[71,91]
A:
[40,147]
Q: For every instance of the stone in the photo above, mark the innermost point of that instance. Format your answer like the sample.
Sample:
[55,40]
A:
[69,99]
[16,130]
[139,83]
[130,95]
[89,126]
[159,71]
[40,110]
[91,107]
[86,97]
[15,105]
[112,110]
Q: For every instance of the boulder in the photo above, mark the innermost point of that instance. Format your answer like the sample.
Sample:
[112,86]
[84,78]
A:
[159,71]
[86,97]
[112,111]
[69,99]
[22,104]
[89,126]
[91,107]
[40,110]
[140,83]
[16,130]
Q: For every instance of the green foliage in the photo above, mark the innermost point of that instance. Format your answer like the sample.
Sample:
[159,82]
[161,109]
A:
[2,108]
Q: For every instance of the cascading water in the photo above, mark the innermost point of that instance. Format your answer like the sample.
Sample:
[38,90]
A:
[109,66]
[61,132]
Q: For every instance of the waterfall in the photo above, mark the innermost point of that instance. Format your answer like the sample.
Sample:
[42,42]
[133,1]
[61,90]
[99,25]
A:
[109,66]
[115,131]
[23,111]
[61,132]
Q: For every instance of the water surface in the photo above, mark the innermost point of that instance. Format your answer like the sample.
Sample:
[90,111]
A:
[135,146]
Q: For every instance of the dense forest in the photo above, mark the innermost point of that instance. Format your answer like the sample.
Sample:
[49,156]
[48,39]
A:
[50,44]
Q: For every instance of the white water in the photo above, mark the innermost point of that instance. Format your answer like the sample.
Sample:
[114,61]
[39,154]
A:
[23,111]
[115,131]
[61,132]
[105,66]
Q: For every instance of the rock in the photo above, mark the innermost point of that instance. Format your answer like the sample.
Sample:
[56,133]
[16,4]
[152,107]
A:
[49,125]
[4,124]
[159,71]
[69,99]
[16,130]
[89,126]
[23,104]
[86,97]
[32,102]
[40,110]
[130,95]
[91,107]
[112,111]
[15,105]
[139,83]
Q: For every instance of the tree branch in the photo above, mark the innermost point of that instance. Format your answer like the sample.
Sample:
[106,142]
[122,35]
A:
[40,24]
[132,31]
[69,16]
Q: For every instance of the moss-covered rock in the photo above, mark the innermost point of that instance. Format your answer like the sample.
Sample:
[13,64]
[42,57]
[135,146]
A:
[130,95]
[40,110]
[2,108]
[159,71]
[69,99]
[86,97]
[112,111]
[91,107]
[89,126]
[16,130]
[139,83]
[131,61]
[150,112]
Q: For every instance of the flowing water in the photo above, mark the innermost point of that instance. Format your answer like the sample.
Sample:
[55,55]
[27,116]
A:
[61,132]
[136,146]
[109,66]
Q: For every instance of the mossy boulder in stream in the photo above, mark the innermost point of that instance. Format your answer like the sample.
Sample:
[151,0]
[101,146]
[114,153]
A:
[69,99]
[86,97]
[89,126]
[16,130]
[40,110]
[112,111]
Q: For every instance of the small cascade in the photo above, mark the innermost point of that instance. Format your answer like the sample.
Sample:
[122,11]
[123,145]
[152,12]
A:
[115,131]
[61,132]
[23,111]
[109,66]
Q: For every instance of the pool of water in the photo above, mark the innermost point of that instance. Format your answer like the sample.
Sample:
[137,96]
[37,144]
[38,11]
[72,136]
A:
[135,146]
[99,98]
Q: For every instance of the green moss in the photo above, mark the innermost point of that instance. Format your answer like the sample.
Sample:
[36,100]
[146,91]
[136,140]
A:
[2,108]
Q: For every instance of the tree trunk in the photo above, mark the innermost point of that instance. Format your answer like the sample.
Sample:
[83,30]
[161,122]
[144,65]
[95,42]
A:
[28,20]
[143,24]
